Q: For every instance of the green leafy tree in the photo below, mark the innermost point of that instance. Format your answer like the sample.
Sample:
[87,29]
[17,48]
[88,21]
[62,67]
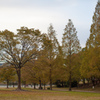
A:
[70,46]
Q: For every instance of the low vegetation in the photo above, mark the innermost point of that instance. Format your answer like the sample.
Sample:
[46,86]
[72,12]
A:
[30,94]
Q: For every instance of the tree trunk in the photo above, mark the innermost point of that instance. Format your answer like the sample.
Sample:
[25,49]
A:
[70,65]
[93,82]
[96,82]
[50,80]
[99,81]
[31,85]
[13,85]
[77,84]
[25,84]
[50,84]
[44,86]
[83,81]
[62,84]
[70,82]
[19,78]
[40,84]
[88,82]
[7,83]
[34,86]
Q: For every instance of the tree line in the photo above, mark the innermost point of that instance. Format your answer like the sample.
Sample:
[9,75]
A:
[39,58]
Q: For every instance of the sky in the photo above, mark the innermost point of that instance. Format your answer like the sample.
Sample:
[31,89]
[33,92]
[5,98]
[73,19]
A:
[39,14]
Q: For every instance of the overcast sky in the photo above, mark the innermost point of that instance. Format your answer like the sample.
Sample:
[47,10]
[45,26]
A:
[39,14]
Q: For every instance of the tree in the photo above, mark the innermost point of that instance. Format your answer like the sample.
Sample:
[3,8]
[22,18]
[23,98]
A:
[19,49]
[93,45]
[29,75]
[70,46]
[60,71]
[41,70]
[52,52]
[94,39]
[49,52]
[7,73]
[76,75]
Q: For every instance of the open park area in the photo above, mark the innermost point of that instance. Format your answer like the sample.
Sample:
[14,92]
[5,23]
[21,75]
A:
[52,64]
[31,94]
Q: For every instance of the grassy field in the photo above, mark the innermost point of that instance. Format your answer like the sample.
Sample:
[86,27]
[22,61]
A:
[30,94]
[90,89]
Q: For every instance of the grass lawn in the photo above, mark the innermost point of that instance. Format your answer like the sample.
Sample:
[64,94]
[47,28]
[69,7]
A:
[96,89]
[30,94]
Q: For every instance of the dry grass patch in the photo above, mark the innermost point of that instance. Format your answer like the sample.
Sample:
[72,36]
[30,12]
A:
[46,95]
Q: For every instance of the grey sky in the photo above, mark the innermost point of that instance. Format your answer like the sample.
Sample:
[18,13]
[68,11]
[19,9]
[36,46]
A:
[39,14]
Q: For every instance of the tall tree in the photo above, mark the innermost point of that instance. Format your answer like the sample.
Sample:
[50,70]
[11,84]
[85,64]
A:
[50,49]
[19,49]
[53,51]
[70,46]
[93,44]
[94,39]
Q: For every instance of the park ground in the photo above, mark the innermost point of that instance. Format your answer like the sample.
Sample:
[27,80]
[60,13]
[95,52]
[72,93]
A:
[55,94]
